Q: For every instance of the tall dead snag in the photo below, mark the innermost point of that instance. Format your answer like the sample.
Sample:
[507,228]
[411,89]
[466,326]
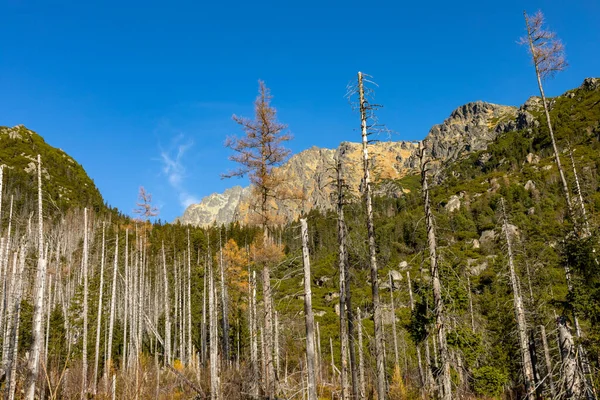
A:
[548,361]
[215,387]
[571,382]
[444,382]
[40,292]
[365,111]
[528,376]
[257,153]
[308,315]
[167,310]
[224,305]
[84,363]
[346,317]
[254,388]
[111,318]
[547,53]
[99,316]
[548,57]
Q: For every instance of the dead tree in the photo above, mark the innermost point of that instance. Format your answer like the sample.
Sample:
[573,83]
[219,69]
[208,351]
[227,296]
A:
[346,317]
[548,57]
[445,383]
[168,356]
[257,153]
[528,376]
[40,292]
[365,111]
[99,316]
[215,387]
[111,318]
[308,315]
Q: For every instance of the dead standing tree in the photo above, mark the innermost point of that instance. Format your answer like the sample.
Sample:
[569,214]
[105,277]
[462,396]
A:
[258,153]
[519,312]
[548,56]
[368,125]
[444,379]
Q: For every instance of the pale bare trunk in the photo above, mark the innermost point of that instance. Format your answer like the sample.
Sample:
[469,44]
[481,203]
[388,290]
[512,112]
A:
[276,342]
[394,333]
[168,359]
[215,388]
[126,301]
[424,386]
[13,348]
[519,314]
[548,361]
[224,305]
[445,384]
[572,383]
[113,301]
[308,315]
[361,360]
[190,350]
[99,315]
[253,337]
[203,327]
[381,381]
[346,323]
[84,362]
[270,378]
[38,310]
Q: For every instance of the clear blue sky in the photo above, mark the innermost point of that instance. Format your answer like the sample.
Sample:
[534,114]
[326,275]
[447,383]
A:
[142,92]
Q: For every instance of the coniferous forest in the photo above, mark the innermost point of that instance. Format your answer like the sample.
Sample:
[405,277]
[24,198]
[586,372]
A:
[479,280]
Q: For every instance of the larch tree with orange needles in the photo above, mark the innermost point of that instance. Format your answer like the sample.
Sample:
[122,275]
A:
[258,153]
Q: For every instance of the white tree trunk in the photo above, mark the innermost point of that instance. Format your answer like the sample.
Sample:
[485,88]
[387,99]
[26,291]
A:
[445,384]
[361,360]
[111,321]
[168,356]
[308,315]
[572,383]
[38,308]
[190,350]
[99,315]
[519,314]
[215,387]
[380,361]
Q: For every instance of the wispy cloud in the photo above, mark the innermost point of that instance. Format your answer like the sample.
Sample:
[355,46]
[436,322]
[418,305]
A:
[174,169]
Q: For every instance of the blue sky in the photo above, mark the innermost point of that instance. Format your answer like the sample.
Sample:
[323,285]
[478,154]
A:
[142,93]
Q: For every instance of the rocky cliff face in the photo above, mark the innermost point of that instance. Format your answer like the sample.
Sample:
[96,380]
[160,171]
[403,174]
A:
[469,128]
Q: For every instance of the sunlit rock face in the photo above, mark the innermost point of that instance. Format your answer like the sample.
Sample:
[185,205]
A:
[308,178]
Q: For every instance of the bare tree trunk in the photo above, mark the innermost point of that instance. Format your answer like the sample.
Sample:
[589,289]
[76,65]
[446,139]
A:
[346,322]
[253,337]
[269,379]
[203,327]
[528,375]
[276,343]
[111,321]
[190,350]
[38,310]
[99,316]
[215,387]
[381,381]
[394,333]
[168,356]
[419,357]
[572,382]
[308,314]
[126,301]
[13,349]
[361,360]
[224,306]
[84,362]
[548,361]
[586,227]
[445,384]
